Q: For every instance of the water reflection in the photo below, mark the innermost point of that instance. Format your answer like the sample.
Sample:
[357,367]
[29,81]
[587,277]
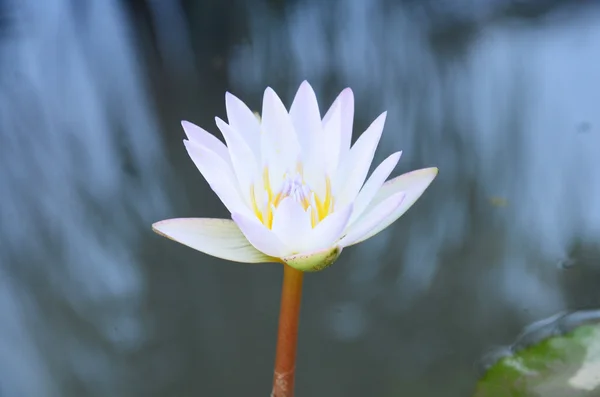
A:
[96,305]
[80,156]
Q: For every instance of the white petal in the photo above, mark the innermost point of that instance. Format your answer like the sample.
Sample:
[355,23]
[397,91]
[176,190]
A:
[313,261]
[412,184]
[346,102]
[292,224]
[204,138]
[373,184]
[305,116]
[260,236]
[331,141]
[242,158]
[371,220]
[359,160]
[219,176]
[279,144]
[217,237]
[243,120]
[326,151]
[324,154]
[329,229]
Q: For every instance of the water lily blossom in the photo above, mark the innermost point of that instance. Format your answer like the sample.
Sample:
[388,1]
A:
[294,185]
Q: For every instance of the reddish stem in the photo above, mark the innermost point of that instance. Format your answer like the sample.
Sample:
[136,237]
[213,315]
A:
[287,337]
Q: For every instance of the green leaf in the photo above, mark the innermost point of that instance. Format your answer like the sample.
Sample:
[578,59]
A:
[556,357]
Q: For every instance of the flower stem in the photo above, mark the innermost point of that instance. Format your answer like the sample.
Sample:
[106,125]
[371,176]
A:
[287,337]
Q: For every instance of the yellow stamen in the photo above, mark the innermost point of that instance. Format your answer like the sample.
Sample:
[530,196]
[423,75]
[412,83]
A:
[328,204]
[277,199]
[313,217]
[324,206]
[257,210]
[269,216]
[267,183]
[305,204]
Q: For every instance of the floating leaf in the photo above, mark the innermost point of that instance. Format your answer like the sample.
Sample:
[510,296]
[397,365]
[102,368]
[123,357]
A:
[556,357]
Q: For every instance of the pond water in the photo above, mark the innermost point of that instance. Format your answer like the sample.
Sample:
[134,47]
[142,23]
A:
[502,96]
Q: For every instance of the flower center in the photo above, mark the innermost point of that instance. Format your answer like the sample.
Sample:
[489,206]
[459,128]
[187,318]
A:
[293,186]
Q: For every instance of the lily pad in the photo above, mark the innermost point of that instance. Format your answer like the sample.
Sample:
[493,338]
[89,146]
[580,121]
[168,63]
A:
[556,357]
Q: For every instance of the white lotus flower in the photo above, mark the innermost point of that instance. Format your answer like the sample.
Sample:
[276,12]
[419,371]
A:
[295,188]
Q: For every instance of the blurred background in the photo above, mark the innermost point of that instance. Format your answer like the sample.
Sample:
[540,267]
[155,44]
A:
[502,95]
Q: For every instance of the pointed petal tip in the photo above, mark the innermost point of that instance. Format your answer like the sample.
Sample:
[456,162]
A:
[230,97]
[232,103]
[347,92]
[380,120]
[156,226]
[187,126]
[232,100]
[345,99]
[430,172]
[194,132]
[419,179]
[271,99]
[313,261]
[161,227]
[424,171]
[306,89]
